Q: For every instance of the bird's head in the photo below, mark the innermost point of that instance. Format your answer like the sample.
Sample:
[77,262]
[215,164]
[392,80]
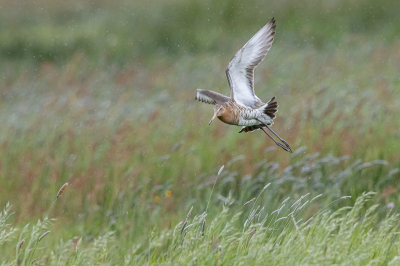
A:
[219,110]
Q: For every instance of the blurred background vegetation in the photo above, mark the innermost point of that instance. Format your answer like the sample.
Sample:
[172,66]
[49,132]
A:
[101,94]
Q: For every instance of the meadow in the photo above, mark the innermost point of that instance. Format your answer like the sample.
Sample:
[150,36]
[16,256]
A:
[100,95]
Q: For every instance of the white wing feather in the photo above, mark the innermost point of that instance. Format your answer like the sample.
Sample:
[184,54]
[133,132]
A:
[204,98]
[240,71]
[211,97]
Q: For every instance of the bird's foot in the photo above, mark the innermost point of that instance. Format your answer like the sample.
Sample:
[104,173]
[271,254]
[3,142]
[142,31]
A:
[287,145]
[283,147]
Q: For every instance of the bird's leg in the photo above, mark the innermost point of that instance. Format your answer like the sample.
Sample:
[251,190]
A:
[287,148]
[277,143]
[284,142]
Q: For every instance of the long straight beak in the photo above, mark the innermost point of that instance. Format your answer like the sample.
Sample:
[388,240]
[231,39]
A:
[215,115]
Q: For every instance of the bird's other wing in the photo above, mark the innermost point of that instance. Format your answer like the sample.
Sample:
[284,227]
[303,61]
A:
[240,70]
[211,97]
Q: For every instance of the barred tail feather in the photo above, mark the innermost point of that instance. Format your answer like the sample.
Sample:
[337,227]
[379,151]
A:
[270,108]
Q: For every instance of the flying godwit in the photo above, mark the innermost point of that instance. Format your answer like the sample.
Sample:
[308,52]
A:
[243,107]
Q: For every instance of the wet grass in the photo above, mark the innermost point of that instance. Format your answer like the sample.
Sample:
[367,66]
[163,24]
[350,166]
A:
[121,125]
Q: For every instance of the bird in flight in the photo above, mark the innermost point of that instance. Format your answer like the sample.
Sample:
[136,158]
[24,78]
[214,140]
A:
[243,107]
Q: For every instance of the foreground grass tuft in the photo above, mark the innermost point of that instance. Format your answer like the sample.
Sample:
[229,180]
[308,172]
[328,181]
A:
[348,236]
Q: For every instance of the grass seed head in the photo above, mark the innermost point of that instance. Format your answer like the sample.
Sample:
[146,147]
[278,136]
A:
[250,201]
[183,227]
[281,219]
[316,197]
[189,213]
[62,189]
[278,210]
[21,244]
[283,202]
[220,169]
[267,185]
[45,234]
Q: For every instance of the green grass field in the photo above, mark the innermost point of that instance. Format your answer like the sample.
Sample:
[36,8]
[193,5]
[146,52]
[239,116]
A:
[101,95]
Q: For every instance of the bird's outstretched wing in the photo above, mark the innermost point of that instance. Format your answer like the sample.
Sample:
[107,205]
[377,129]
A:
[240,70]
[211,97]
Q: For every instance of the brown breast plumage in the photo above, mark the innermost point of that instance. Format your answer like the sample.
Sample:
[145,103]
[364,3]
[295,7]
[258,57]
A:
[230,114]
[227,119]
